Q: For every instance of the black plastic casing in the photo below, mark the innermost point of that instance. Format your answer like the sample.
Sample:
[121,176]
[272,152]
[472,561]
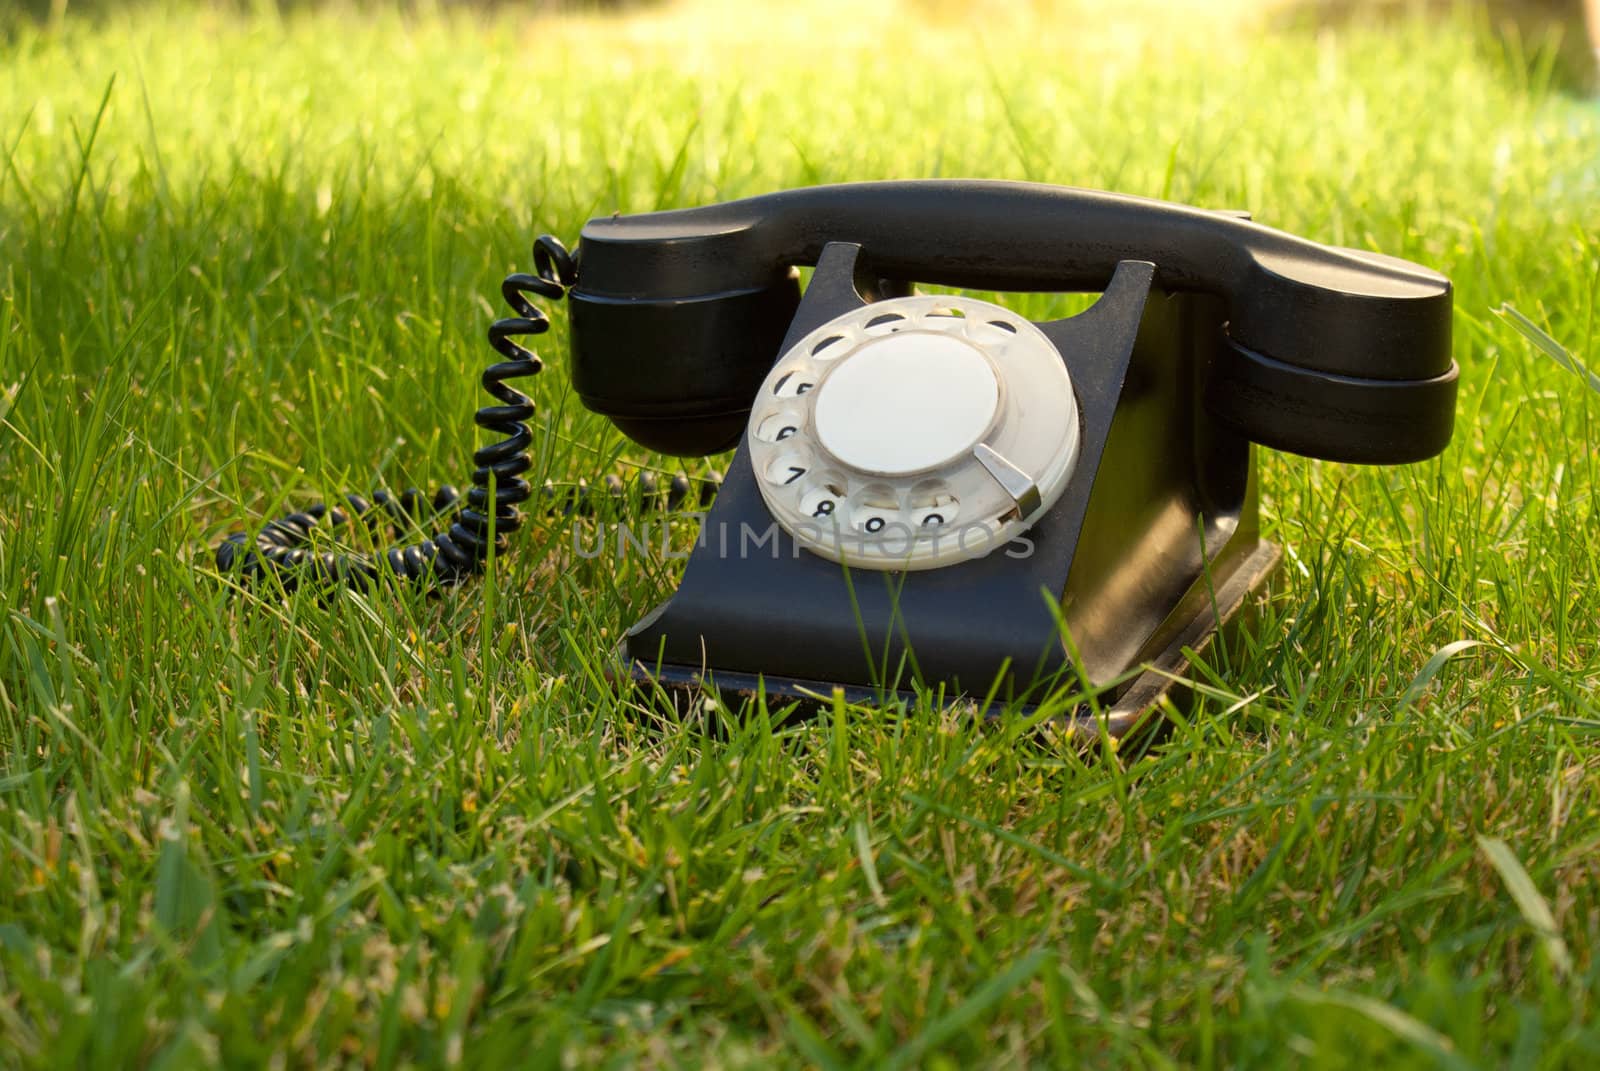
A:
[1212,332]
[1160,513]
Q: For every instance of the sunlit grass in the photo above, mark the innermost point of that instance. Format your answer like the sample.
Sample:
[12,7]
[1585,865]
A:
[250,261]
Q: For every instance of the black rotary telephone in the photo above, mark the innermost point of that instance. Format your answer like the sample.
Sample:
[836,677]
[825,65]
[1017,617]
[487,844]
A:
[930,487]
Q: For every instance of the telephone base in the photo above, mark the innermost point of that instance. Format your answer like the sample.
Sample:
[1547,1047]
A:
[1138,704]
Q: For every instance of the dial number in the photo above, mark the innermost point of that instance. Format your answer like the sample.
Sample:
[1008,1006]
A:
[933,505]
[877,510]
[823,501]
[788,467]
[778,427]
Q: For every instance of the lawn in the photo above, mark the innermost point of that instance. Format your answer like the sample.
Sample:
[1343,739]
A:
[249,261]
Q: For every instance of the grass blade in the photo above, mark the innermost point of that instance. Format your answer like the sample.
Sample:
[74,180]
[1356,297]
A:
[1535,911]
[1430,669]
[968,1011]
[1406,1027]
[1548,346]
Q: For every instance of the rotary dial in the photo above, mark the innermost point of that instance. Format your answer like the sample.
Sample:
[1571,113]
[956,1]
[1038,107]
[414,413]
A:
[914,433]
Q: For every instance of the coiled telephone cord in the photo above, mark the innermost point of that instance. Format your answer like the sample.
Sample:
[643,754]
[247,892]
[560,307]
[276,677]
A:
[282,548]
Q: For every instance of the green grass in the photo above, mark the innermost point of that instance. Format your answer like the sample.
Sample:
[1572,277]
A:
[249,262]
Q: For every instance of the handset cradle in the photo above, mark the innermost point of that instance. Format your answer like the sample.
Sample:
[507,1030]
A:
[1160,515]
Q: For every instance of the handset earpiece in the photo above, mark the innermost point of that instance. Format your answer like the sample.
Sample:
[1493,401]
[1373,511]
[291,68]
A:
[676,371]
[1354,367]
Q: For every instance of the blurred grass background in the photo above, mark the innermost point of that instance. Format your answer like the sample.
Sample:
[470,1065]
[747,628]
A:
[250,257]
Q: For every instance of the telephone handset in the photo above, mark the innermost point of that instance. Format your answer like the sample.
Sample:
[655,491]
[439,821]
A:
[915,474]
[1302,319]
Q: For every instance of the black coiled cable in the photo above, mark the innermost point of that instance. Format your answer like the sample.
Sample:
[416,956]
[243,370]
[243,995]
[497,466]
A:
[282,547]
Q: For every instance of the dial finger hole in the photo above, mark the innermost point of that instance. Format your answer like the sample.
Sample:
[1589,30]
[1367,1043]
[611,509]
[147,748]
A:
[779,426]
[933,505]
[824,499]
[794,383]
[874,508]
[884,324]
[788,468]
[829,348]
[990,332]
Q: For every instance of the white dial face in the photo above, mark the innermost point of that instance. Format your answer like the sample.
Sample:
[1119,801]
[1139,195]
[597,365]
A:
[914,433]
[905,403]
